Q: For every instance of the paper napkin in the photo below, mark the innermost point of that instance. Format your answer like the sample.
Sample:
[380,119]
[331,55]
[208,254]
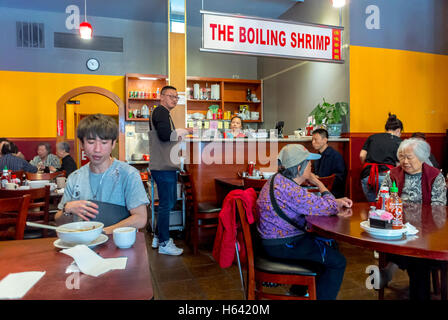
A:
[16,285]
[91,263]
[411,230]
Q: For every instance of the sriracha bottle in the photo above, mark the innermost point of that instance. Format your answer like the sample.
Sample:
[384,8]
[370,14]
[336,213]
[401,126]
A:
[395,206]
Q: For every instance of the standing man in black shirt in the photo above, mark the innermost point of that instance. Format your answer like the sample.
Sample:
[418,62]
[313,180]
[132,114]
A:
[163,165]
[330,162]
[68,164]
[379,155]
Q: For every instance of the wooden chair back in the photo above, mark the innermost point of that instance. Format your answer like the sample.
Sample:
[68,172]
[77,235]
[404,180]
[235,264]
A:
[13,212]
[200,216]
[247,236]
[327,181]
[45,176]
[189,189]
[256,276]
[38,206]
[256,184]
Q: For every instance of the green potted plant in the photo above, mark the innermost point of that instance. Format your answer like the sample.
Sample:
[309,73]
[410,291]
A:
[330,115]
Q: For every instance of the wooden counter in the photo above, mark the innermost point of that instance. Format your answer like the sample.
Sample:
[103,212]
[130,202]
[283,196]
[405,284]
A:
[207,160]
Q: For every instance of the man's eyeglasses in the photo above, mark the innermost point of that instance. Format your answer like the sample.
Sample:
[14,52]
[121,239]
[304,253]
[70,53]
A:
[171,96]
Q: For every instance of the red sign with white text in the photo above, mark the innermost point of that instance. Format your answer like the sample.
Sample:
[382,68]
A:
[257,36]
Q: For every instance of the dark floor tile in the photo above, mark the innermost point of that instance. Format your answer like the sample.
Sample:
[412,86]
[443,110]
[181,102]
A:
[222,282]
[181,290]
[208,270]
[172,274]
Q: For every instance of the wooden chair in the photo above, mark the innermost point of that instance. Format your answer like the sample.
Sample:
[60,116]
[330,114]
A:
[38,206]
[13,212]
[202,215]
[45,176]
[263,269]
[256,184]
[327,181]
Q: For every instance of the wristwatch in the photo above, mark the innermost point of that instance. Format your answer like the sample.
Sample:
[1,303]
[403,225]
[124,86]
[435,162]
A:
[65,213]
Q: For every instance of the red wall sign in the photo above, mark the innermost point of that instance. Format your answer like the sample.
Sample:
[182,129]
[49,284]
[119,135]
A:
[60,127]
[226,33]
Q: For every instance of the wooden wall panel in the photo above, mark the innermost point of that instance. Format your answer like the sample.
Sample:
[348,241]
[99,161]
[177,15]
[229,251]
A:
[177,73]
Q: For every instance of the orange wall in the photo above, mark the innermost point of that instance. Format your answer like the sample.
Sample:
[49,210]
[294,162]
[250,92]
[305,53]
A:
[409,84]
[28,99]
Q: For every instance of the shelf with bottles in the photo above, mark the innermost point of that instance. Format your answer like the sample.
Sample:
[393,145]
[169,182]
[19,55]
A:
[233,93]
[142,89]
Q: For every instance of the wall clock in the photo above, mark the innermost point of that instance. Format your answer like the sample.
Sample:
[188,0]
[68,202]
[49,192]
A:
[93,64]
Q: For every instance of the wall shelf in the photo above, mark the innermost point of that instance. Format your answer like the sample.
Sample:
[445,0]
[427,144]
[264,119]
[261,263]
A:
[233,93]
[148,83]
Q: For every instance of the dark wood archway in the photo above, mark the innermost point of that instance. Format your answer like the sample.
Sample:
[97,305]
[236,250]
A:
[61,115]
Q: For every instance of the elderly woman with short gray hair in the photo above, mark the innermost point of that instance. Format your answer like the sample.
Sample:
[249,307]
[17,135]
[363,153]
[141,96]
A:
[416,179]
[417,182]
[67,163]
[284,204]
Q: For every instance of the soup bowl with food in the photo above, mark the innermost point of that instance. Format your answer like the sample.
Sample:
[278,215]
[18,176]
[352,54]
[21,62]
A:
[82,232]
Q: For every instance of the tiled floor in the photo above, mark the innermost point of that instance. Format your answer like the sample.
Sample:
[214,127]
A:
[190,277]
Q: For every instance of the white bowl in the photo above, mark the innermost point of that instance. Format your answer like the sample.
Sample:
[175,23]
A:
[267,175]
[35,184]
[80,237]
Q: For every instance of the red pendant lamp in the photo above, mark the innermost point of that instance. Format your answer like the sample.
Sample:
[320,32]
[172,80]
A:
[85,28]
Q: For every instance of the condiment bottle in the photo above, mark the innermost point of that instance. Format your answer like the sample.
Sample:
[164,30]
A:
[395,206]
[5,177]
[15,180]
[219,114]
[250,168]
[382,198]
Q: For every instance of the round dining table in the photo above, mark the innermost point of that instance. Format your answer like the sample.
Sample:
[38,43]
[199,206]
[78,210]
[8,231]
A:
[431,241]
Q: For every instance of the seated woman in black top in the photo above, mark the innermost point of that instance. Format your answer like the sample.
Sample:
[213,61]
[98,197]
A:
[68,164]
[379,155]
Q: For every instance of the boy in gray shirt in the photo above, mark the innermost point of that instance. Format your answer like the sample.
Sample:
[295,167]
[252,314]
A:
[103,179]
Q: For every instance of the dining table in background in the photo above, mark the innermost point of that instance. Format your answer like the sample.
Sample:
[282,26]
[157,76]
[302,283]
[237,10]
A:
[133,283]
[225,185]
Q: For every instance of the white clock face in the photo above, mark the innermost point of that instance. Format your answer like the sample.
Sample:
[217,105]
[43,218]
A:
[93,64]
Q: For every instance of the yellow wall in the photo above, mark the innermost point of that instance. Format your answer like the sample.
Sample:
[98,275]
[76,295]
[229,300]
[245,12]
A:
[29,99]
[410,84]
[89,103]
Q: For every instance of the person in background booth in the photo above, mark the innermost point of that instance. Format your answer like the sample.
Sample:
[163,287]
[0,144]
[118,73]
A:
[330,162]
[378,155]
[432,159]
[236,128]
[68,164]
[283,206]
[104,181]
[45,159]
[13,162]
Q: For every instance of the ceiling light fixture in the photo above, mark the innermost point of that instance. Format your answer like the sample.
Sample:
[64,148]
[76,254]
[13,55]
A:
[338,3]
[85,28]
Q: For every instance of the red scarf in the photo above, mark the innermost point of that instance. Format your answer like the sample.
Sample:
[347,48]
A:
[429,174]
[374,173]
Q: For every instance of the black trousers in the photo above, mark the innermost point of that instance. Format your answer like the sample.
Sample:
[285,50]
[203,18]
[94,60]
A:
[328,261]
[419,271]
